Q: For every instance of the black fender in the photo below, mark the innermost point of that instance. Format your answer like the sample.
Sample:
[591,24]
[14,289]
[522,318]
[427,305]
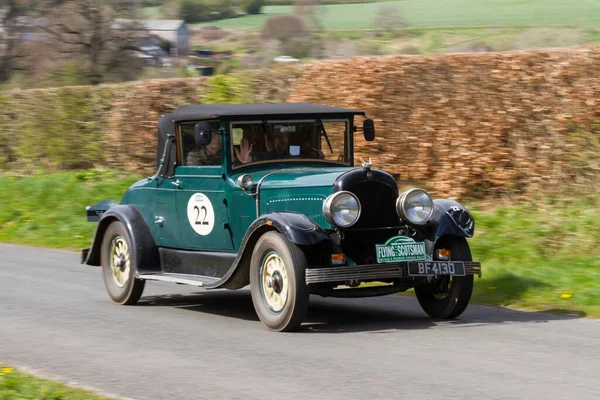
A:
[145,254]
[296,227]
[449,218]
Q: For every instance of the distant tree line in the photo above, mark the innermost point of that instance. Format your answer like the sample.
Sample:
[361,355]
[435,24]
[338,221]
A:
[193,11]
[78,37]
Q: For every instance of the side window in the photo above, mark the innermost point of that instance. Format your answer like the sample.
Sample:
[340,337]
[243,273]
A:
[192,155]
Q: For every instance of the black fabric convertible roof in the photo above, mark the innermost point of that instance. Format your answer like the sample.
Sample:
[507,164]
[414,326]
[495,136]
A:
[198,112]
[192,112]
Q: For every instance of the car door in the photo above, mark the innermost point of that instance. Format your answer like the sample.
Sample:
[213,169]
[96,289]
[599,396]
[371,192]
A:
[202,214]
[165,227]
[201,207]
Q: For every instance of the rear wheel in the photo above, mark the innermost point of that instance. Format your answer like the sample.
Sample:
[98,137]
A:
[117,261]
[277,282]
[447,297]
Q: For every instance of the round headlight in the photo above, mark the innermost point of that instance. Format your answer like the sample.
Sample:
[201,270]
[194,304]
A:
[245,181]
[415,206]
[342,209]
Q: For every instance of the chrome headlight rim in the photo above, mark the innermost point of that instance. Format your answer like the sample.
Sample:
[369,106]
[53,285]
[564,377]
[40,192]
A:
[245,181]
[403,212]
[328,212]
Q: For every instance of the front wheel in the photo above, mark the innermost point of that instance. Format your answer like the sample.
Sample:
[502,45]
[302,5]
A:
[277,282]
[447,297]
[117,261]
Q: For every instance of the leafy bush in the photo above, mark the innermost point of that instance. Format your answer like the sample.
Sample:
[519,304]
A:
[226,89]
[205,10]
[253,6]
[296,47]
[284,28]
[389,17]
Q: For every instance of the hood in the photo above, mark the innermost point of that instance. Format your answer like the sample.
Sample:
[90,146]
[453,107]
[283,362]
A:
[303,190]
[302,178]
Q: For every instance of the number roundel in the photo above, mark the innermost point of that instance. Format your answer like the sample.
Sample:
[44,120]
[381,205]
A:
[201,214]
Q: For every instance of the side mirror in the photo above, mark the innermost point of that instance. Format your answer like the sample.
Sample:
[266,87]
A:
[202,134]
[369,130]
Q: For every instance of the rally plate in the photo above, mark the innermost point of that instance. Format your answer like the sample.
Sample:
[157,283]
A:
[432,268]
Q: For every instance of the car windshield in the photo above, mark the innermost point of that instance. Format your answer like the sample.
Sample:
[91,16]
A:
[261,141]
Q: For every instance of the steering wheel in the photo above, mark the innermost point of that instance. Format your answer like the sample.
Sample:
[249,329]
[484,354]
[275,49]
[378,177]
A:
[316,152]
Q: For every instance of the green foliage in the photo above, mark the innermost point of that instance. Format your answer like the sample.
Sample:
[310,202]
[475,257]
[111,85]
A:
[6,144]
[61,129]
[253,6]
[205,10]
[192,11]
[226,89]
[70,74]
[15,385]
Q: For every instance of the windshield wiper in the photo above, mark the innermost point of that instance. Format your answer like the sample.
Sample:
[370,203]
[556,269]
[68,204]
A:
[322,128]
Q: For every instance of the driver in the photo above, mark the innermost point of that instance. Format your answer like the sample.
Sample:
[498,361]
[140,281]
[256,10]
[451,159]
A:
[207,155]
[278,151]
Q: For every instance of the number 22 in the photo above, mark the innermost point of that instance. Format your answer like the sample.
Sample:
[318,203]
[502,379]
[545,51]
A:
[204,221]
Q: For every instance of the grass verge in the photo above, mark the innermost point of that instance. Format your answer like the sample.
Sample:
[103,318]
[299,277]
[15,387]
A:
[15,385]
[542,255]
[49,209]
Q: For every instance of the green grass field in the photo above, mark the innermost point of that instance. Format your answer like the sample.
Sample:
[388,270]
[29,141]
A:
[442,13]
[542,256]
[15,385]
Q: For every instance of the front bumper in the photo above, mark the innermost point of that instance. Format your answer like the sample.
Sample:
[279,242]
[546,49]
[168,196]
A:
[372,272]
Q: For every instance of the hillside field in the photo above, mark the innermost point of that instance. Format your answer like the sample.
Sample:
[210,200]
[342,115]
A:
[441,13]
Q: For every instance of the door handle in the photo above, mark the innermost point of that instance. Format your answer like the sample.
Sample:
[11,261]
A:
[177,184]
[159,220]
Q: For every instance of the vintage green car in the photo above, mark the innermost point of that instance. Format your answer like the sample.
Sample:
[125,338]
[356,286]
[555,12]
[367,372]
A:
[268,195]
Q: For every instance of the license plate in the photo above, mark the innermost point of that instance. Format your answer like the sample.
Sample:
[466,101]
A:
[431,268]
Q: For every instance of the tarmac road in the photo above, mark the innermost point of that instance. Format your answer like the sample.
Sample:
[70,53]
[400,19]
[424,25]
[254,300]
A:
[185,343]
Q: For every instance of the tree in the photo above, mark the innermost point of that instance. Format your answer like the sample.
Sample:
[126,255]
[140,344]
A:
[284,28]
[307,10]
[311,14]
[10,12]
[253,6]
[171,9]
[90,31]
[205,10]
[389,17]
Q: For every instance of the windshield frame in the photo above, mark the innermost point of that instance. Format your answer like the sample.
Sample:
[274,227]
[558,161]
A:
[347,141]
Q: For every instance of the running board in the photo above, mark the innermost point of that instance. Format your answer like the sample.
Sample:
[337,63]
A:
[185,279]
